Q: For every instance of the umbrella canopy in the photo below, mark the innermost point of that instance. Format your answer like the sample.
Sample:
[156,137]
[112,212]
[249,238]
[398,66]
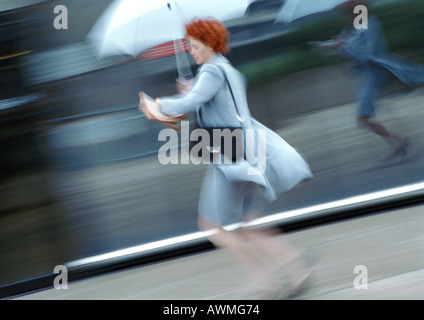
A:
[295,9]
[132,26]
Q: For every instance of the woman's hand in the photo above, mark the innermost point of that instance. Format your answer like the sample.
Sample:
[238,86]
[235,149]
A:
[158,102]
[184,86]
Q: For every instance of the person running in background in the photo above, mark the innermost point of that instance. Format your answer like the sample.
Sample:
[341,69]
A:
[369,52]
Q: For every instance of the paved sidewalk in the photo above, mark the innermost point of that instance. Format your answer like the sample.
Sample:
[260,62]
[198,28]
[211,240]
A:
[389,244]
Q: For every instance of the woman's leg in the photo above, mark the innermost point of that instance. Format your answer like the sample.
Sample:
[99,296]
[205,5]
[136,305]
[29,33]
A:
[264,257]
[236,243]
[280,254]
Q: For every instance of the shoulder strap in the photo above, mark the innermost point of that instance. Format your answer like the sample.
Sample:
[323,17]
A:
[231,91]
[232,96]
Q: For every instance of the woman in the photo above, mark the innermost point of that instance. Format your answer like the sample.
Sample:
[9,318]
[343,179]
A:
[227,192]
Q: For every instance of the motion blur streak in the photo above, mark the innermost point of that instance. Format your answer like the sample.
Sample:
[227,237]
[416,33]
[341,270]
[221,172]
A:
[277,219]
[80,180]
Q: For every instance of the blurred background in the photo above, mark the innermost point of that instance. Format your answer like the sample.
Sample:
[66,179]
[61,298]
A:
[79,174]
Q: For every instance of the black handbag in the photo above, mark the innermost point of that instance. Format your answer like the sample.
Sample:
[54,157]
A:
[228,141]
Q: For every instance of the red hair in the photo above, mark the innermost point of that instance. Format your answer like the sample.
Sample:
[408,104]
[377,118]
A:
[210,32]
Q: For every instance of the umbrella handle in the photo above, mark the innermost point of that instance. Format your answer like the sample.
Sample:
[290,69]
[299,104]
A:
[183,64]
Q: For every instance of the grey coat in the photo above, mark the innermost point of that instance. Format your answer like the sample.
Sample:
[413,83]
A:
[212,95]
[279,169]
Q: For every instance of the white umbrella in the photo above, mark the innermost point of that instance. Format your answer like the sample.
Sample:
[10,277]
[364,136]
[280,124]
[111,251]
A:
[132,26]
[295,9]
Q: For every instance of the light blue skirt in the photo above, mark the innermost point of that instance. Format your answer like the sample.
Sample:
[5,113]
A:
[224,202]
